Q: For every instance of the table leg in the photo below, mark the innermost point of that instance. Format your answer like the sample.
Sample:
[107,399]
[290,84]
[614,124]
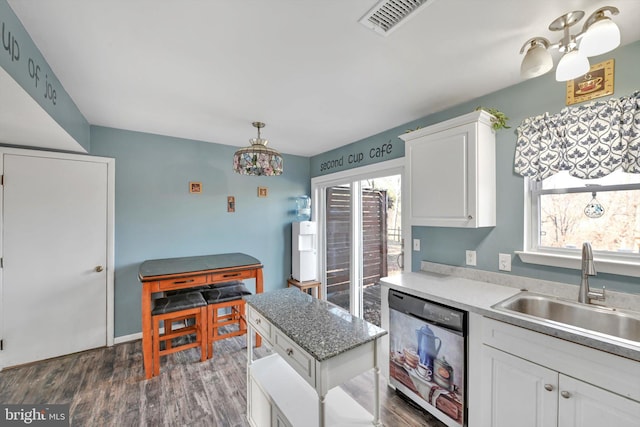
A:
[376,387]
[259,290]
[321,406]
[146,332]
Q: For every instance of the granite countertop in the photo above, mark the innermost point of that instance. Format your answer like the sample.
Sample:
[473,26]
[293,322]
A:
[321,328]
[168,266]
[479,297]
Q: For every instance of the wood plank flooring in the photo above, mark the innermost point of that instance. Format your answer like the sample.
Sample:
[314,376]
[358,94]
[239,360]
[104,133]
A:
[106,387]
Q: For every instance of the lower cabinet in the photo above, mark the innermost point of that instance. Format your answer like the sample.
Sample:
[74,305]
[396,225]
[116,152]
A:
[519,392]
[581,404]
[525,394]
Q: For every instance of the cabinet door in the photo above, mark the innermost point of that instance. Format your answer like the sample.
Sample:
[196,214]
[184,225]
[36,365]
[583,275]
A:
[520,393]
[584,405]
[258,405]
[279,420]
[441,168]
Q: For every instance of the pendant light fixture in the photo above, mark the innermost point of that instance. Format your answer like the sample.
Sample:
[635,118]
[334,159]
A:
[258,159]
[599,35]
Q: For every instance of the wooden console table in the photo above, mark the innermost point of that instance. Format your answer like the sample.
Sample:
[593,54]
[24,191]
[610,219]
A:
[161,275]
[313,285]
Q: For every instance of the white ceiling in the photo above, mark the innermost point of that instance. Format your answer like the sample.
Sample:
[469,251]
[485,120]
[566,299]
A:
[205,69]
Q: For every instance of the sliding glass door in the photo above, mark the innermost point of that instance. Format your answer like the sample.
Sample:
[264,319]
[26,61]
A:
[360,234]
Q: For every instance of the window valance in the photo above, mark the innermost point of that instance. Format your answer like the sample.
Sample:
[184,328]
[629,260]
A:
[589,141]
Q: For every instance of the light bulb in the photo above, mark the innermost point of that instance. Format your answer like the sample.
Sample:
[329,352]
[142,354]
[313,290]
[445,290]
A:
[601,37]
[573,64]
[536,62]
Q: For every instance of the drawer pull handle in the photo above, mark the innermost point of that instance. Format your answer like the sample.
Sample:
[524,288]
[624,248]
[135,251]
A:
[289,351]
[258,321]
[183,281]
[565,394]
[231,275]
[548,387]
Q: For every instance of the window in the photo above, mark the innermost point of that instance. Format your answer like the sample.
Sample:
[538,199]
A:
[565,211]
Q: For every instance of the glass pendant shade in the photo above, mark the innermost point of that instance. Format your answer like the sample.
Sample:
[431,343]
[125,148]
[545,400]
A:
[601,37]
[572,65]
[536,62]
[258,159]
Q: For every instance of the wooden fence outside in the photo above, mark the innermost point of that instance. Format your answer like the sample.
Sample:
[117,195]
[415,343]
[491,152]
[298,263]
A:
[374,236]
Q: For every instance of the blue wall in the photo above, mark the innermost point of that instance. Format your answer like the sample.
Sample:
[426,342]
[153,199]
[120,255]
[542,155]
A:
[529,98]
[157,217]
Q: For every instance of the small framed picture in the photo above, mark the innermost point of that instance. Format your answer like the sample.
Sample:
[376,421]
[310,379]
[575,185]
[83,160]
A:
[596,83]
[231,204]
[195,187]
[263,191]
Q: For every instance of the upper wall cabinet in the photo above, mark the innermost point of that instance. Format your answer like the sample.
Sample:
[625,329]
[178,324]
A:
[451,170]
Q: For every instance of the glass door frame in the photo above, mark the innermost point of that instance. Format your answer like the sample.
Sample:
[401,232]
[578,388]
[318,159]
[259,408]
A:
[353,178]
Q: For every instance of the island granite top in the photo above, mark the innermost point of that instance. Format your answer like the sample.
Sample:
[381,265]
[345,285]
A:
[321,328]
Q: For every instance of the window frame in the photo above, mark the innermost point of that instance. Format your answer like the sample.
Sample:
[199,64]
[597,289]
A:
[625,264]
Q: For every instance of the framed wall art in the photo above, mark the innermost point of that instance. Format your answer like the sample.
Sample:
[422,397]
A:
[195,187]
[263,191]
[596,83]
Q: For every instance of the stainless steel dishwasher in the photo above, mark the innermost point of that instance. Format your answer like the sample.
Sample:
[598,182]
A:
[427,361]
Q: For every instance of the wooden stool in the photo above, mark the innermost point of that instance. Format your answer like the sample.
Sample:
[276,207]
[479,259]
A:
[226,296]
[179,308]
[314,285]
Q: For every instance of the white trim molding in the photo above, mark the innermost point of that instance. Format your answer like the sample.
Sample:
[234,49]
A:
[603,264]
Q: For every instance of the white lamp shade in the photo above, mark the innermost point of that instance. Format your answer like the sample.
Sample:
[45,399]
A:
[601,37]
[573,64]
[536,62]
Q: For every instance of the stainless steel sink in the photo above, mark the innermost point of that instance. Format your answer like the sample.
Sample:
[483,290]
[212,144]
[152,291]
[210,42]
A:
[616,323]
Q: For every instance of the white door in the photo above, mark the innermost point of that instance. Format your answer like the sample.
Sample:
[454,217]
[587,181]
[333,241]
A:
[583,405]
[54,243]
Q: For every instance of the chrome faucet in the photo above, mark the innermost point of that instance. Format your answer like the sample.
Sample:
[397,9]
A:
[585,295]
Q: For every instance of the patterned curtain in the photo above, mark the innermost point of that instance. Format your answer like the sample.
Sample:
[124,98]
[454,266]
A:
[589,141]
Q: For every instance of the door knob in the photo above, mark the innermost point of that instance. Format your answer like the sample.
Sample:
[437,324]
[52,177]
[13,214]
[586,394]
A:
[99,269]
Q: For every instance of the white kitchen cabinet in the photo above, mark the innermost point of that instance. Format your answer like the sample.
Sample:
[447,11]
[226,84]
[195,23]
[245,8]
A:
[451,170]
[585,405]
[563,388]
[520,392]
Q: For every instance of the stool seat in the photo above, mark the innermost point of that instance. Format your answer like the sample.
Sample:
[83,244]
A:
[177,302]
[188,308]
[225,292]
[227,297]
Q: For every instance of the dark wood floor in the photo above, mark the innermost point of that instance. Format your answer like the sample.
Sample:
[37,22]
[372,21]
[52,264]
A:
[106,387]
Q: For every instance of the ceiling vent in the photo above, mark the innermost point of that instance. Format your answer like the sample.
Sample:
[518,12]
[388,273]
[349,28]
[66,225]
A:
[388,15]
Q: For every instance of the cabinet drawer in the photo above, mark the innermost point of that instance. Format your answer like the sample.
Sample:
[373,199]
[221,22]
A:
[296,357]
[182,282]
[231,275]
[262,325]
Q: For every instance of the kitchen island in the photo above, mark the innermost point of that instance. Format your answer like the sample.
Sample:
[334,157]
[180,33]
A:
[317,346]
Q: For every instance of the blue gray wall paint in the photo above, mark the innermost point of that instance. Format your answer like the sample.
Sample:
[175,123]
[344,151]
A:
[157,217]
[22,60]
[529,98]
